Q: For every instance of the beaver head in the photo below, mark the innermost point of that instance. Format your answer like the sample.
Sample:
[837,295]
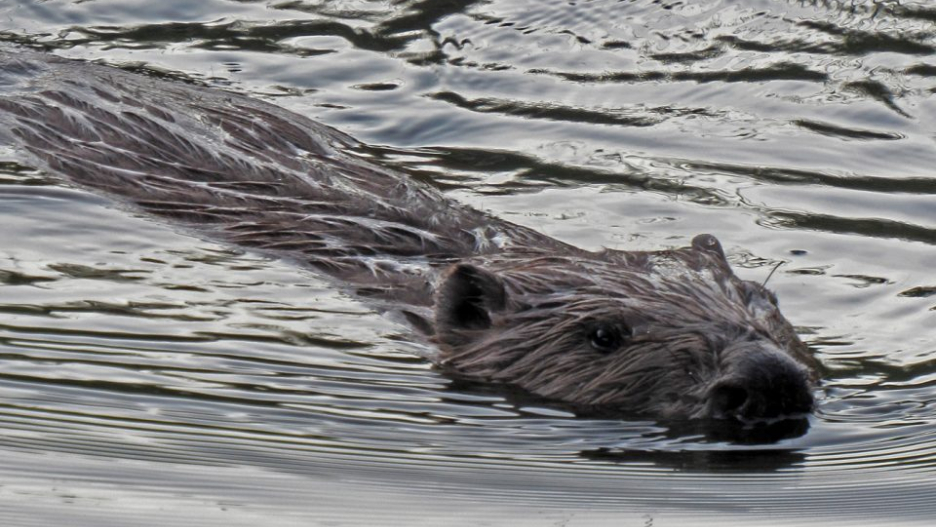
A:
[672,334]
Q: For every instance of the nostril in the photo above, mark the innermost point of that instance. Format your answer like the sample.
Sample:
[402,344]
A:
[761,385]
[728,399]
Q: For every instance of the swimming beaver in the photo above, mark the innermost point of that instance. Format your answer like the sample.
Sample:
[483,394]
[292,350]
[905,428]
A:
[671,333]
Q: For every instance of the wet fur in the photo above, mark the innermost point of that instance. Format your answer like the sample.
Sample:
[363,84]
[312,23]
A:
[503,302]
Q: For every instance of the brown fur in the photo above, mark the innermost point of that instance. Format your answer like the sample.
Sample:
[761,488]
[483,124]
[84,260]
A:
[669,333]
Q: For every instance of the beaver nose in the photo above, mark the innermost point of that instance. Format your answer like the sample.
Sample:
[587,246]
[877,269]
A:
[760,382]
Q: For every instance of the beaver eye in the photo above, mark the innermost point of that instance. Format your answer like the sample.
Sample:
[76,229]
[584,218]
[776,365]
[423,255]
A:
[605,338]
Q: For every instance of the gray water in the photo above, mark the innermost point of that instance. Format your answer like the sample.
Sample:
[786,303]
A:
[150,376]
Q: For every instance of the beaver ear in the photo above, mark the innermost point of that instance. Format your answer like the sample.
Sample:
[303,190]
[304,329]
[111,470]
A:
[469,295]
[708,243]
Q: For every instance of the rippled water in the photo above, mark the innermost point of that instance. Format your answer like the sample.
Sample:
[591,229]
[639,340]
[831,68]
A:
[148,375]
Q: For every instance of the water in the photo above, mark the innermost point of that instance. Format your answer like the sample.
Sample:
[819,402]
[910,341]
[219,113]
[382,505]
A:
[149,375]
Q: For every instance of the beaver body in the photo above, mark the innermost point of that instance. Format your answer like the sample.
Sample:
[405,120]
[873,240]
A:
[672,333]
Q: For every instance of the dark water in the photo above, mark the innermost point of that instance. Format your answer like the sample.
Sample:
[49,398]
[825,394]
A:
[149,376]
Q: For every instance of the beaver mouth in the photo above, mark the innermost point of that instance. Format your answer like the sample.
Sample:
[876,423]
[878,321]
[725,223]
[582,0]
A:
[733,401]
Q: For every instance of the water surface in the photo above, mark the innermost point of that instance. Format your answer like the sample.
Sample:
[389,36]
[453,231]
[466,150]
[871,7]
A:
[149,375]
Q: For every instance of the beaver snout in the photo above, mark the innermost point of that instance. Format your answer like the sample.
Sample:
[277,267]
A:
[760,382]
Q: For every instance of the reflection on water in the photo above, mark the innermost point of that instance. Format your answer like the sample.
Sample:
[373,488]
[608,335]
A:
[148,375]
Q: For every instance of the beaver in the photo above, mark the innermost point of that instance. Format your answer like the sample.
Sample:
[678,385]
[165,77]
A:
[671,334]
